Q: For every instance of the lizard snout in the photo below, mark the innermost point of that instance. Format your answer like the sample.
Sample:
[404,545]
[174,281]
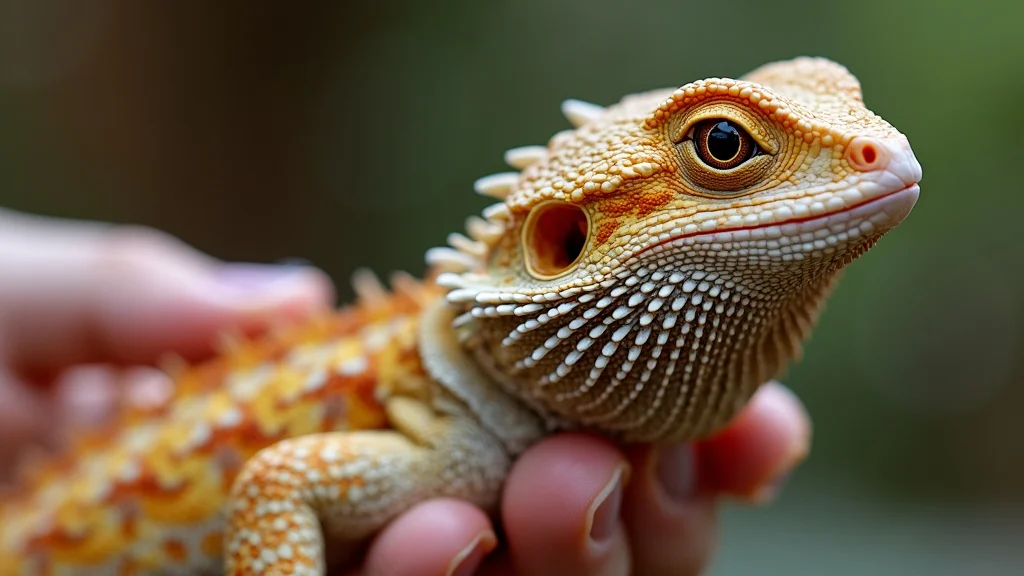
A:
[867,154]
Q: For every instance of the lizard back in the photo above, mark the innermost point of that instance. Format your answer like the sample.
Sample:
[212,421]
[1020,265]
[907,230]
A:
[146,492]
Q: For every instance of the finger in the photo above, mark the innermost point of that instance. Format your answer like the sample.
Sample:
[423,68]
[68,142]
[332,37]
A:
[442,536]
[754,455]
[561,508]
[669,514]
[670,510]
[78,292]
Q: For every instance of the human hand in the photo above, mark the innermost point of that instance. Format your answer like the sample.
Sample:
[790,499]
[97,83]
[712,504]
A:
[74,293]
[577,504]
[84,305]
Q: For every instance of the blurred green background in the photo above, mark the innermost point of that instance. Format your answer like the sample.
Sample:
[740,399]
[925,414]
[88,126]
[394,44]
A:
[350,135]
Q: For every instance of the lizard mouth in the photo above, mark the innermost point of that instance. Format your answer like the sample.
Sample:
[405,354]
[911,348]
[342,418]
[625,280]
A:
[884,212]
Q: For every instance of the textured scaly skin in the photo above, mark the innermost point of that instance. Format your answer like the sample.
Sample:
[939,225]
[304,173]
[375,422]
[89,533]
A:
[692,286]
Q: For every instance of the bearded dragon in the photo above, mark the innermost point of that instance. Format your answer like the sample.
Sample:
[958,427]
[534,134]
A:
[640,276]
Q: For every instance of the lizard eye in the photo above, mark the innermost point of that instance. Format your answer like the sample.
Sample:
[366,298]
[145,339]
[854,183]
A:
[553,239]
[722,144]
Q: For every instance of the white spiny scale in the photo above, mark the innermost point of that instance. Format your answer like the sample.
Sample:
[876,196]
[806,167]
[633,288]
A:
[570,292]
[625,402]
[564,308]
[492,296]
[368,288]
[525,156]
[606,353]
[450,279]
[498,185]
[606,393]
[684,394]
[462,295]
[464,319]
[449,260]
[663,386]
[532,324]
[497,211]
[525,327]
[554,340]
[645,376]
[577,323]
[526,309]
[405,284]
[578,112]
[621,332]
[482,230]
[467,246]
[705,367]
[573,356]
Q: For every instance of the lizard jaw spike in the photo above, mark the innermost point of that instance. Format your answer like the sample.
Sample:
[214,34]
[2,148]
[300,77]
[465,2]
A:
[579,112]
[525,156]
[497,186]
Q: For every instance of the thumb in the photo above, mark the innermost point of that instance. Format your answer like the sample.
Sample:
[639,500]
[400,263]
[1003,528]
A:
[74,292]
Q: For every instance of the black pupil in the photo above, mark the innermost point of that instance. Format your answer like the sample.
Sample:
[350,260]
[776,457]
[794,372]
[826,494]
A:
[724,141]
[573,242]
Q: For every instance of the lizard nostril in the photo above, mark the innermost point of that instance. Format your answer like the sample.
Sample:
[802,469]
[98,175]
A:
[867,154]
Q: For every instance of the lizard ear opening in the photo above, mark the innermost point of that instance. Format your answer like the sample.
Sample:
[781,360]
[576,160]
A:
[553,239]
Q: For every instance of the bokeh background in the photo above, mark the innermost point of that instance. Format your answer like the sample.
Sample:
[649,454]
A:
[349,134]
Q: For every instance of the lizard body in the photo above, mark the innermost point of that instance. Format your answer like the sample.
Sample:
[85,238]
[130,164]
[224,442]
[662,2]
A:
[639,277]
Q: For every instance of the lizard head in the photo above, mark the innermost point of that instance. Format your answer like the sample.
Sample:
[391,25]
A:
[646,271]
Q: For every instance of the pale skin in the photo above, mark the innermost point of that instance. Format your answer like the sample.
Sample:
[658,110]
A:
[77,294]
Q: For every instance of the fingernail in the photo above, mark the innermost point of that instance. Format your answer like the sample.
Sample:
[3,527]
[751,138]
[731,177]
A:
[604,510]
[256,278]
[675,471]
[468,559]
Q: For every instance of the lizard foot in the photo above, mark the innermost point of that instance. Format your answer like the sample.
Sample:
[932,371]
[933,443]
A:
[342,487]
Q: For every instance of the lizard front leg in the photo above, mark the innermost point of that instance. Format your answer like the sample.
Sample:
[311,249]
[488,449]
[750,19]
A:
[352,484]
